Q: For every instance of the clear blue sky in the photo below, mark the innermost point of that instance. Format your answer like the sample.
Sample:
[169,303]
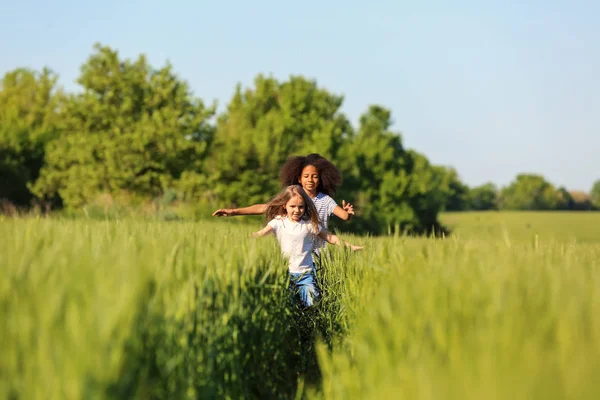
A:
[493,88]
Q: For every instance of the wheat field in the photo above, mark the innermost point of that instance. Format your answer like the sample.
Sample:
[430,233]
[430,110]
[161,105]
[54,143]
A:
[507,307]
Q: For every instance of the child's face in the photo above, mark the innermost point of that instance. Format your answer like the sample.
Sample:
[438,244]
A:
[309,178]
[294,208]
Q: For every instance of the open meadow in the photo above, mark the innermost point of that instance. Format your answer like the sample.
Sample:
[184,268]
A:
[507,307]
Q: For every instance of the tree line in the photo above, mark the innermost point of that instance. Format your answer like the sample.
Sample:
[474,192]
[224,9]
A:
[525,192]
[135,133]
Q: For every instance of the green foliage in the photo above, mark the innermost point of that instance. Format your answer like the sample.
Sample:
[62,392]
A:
[132,129]
[265,125]
[391,187]
[529,192]
[135,132]
[458,198]
[429,190]
[565,199]
[29,111]
[484,197]
[595,194]
[374,168]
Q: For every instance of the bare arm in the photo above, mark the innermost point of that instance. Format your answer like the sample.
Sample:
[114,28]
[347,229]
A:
[344,212]
[335,240]
[264,231]
[255,209]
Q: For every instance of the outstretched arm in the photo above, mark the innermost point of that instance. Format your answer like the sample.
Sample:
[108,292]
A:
[255,209]
[335,240]
[345,212]
[264,231]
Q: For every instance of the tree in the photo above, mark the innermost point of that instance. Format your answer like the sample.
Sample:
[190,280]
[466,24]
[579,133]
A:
[372,165]
[428,192]
[133,130]
[29,112]
[458,197]
[565,199]
[265,125]
[595,194]
[484,197]
[392,188]
[530,192]
[581,201]
[137,131]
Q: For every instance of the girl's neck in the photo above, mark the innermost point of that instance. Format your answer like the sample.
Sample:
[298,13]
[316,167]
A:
[312,194]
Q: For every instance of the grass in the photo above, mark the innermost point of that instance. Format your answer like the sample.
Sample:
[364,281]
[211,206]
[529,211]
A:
[476,320]
[508,307]
[561,226]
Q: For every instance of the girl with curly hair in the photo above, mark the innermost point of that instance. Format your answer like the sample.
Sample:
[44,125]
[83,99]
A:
[292,218]
[319,179]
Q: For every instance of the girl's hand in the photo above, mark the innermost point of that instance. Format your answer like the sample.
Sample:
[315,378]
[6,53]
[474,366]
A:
[349,208]
[223,212]
[353,247]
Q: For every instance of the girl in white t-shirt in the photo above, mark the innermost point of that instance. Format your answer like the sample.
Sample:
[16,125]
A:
[319,178]
[293,219]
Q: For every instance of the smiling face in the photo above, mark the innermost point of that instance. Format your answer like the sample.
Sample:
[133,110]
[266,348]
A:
[309,179]
[295,208]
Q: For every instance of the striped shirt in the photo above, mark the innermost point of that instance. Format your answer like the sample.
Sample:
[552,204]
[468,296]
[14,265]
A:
[325,206]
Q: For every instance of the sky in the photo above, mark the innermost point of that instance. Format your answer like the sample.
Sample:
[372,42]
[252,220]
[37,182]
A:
[492,88]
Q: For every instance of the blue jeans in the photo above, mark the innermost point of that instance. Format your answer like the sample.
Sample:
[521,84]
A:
[305,284]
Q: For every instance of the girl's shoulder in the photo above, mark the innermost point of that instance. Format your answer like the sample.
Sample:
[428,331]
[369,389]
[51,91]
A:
[324,196]
[325,200]
[276,220]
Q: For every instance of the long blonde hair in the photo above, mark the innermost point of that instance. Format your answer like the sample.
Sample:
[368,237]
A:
[276,206]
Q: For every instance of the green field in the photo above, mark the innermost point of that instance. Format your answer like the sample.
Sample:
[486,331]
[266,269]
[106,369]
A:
[508,307]
[560,226]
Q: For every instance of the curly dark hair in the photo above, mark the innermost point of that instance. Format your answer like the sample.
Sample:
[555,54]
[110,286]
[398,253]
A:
[329,176]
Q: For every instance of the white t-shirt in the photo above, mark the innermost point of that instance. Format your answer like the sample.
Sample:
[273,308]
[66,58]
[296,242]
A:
[297,241]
